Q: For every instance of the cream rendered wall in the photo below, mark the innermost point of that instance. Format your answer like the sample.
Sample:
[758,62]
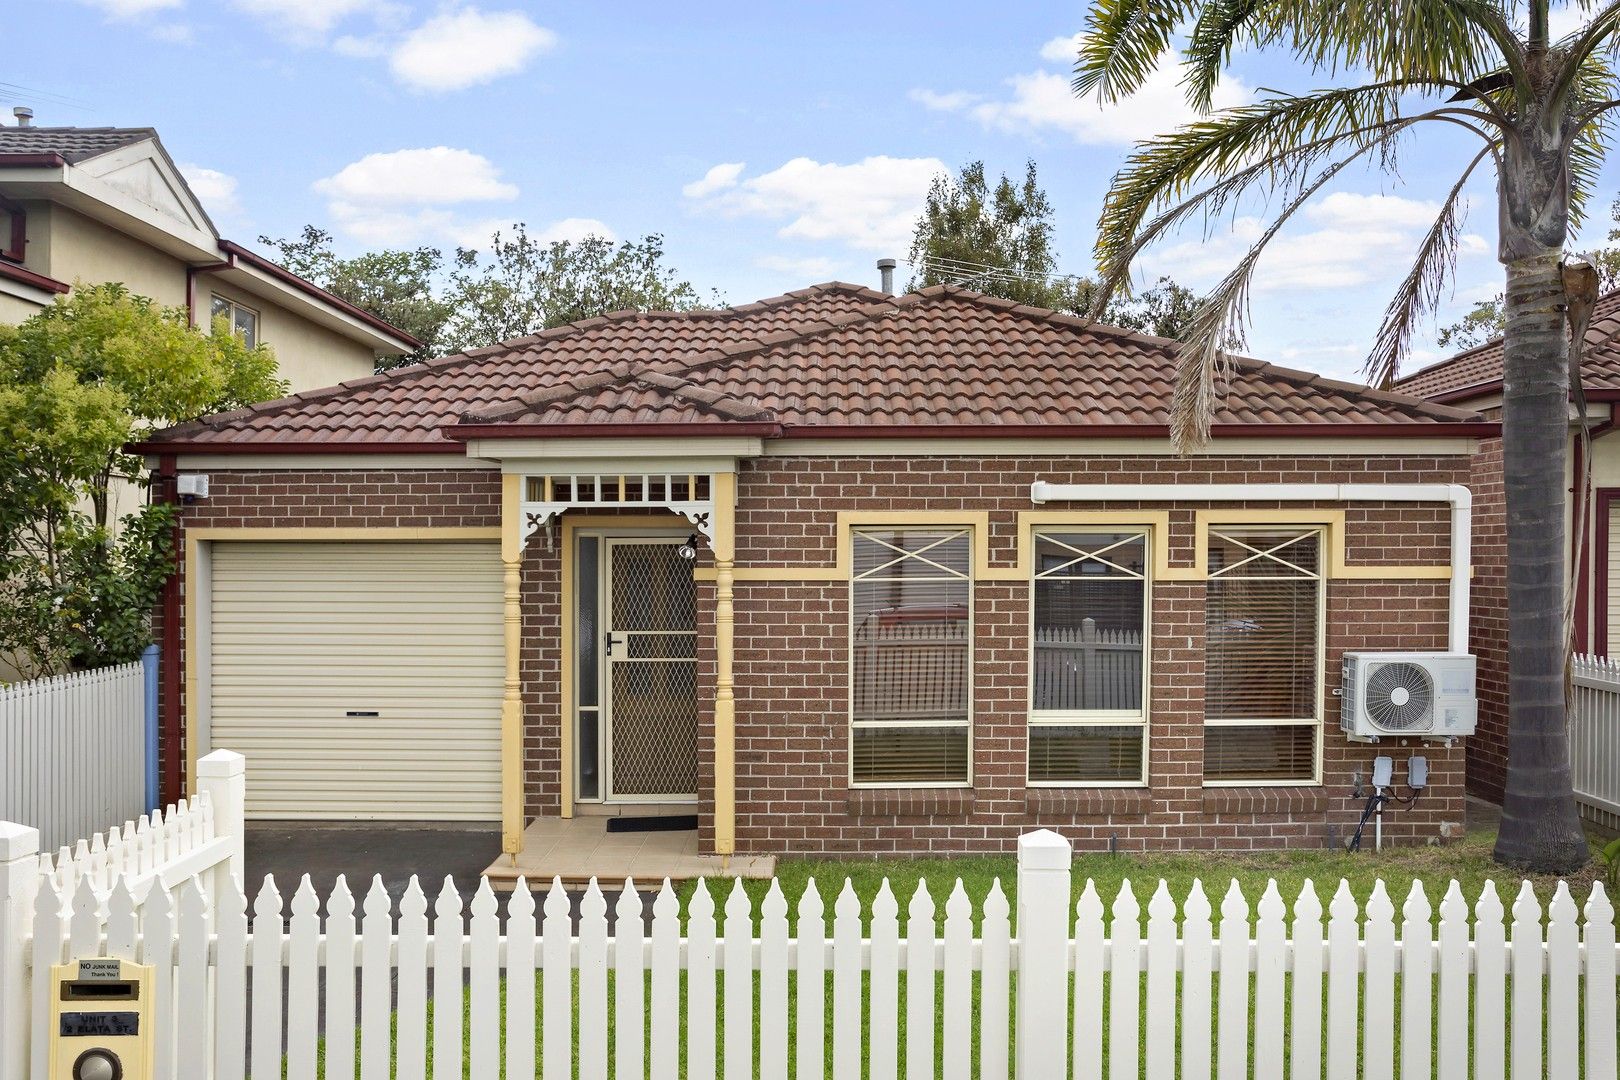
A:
[13,310]
[307,355]
[83,250]
[70,247]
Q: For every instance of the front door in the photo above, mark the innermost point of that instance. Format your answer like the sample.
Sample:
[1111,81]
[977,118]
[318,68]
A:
[650,649]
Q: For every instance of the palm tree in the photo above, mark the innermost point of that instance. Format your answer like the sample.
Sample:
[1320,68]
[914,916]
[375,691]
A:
[1536,111]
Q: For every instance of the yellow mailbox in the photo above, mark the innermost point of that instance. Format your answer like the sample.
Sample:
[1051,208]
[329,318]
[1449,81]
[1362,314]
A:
[101,1020]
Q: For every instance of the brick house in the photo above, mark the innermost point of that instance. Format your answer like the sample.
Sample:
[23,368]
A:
[1473,380]
[843,571]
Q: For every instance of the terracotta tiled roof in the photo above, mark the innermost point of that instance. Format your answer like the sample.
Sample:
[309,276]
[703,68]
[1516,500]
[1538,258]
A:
[71,144]
[1479,371]
[834,358]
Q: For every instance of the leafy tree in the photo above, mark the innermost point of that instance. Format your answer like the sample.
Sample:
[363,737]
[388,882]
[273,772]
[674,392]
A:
[78,381]
[1483,323]
[1539,110]
[399,286]
[998,240]
[529,285]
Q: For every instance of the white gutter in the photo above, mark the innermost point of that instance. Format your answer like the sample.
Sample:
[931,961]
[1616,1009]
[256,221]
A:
[1460,498]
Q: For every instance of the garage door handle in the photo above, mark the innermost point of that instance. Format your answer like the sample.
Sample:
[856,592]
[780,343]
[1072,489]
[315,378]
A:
[362,712]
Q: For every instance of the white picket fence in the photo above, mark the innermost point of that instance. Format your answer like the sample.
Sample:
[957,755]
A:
[1594,738]
[72,751]
[1324,993]
[196,844]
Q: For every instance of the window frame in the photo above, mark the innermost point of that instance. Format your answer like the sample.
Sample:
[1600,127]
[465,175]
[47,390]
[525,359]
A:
[13,231]
[1092,717]
[235,306]
[851,578]
[1324,533]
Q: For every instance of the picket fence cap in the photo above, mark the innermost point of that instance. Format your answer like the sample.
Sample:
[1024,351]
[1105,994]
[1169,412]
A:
[1044,850]
[221,763]
[17,841]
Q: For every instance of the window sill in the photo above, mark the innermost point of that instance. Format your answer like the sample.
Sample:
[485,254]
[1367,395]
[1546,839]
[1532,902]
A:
[910,802]
[1280,799]
[1088,802]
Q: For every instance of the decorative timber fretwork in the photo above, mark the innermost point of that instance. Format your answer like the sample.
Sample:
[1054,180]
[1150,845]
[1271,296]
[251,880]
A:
[690,495]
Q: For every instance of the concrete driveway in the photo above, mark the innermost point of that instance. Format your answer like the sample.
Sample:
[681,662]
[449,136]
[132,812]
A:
[394,851]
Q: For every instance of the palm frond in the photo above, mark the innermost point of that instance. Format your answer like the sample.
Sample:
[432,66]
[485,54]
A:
[1455,39]
[1586,43]
[1124,42]
[1422,289]
[1216,34]
[1218,326]
[1283,134]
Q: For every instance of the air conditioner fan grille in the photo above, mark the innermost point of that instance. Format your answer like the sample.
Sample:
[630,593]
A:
[1400,697]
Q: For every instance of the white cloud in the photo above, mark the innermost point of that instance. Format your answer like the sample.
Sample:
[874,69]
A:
[1345,240]
[309,19]
[1044,100]
[1062,50]
[719,178]
[1565,19]
[131,9]
[360,47]
[466,47]
[410,195]
[174,33]
[955,101]
[214,189]
[574,229]
[433,175]
[812,268]
[871,204]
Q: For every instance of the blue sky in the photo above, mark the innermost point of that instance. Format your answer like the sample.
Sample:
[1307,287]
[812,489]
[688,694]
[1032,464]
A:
[773,145]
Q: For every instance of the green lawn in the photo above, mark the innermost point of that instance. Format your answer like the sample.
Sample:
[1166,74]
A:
[1468,861]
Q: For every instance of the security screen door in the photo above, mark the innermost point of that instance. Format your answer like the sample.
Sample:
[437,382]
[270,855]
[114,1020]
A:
[650,645]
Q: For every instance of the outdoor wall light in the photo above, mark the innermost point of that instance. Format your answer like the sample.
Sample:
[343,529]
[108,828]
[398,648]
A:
[688,550]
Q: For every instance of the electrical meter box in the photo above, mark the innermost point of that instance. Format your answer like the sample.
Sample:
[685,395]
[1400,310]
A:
[101,1020]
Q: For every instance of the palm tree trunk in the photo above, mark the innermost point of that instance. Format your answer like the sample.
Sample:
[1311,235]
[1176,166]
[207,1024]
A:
[1541,827]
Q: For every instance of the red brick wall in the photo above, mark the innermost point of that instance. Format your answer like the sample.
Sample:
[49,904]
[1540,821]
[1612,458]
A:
[792,650]
[331,499]
[1488,617]
[792,675]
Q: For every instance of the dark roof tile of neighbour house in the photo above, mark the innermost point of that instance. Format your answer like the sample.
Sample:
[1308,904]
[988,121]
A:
[1479,370]
[832,359]
[71,144]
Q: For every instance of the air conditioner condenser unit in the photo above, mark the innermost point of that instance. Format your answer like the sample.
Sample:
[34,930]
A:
[1395,695]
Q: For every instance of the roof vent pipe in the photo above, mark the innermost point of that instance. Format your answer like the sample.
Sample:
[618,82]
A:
[886,275]
[24,115]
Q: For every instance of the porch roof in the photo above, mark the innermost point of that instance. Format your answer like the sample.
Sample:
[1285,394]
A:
[832,359]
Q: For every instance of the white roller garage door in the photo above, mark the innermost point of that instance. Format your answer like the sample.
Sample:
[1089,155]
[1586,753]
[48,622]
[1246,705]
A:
[361,680]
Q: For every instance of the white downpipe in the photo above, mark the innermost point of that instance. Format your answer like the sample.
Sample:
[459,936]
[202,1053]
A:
[1460,498]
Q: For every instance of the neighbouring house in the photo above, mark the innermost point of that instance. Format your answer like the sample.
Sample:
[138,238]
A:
[1473,380]
[843,571]
[107,204]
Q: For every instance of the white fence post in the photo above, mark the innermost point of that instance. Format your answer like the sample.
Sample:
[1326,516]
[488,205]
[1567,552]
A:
[1041,1039]
[222,776]
[19,882]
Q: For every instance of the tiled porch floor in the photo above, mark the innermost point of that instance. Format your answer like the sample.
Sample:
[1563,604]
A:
[580,848]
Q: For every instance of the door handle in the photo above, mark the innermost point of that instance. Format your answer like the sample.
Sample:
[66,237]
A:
[608,643]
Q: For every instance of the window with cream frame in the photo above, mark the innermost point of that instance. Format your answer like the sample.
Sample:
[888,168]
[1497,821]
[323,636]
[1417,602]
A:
[1265,607]
[911,656]
[1089,629]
